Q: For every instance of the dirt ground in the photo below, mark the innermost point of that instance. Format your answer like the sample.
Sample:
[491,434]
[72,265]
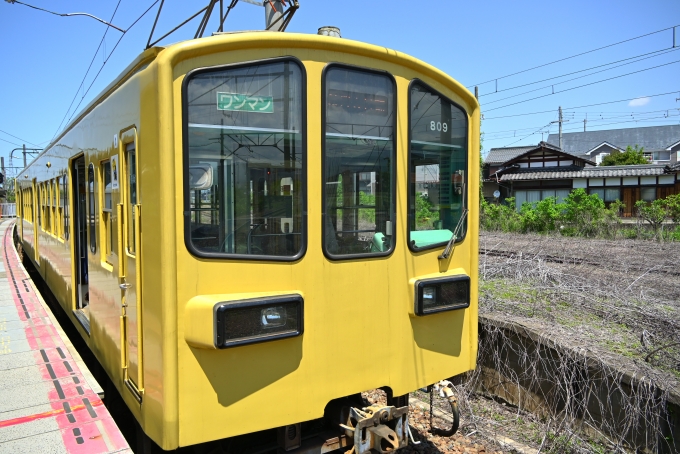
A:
[619,300]
[621,297]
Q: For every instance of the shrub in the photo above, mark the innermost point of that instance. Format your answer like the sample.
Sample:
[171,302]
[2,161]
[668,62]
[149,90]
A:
[654,213]
[673,207]
[540,217]
[586,215]
[500,216]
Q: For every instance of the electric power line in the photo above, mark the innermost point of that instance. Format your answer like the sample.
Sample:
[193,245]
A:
[23,140]
[107,58]
[582,107]
[535,132]
[69,14]
[86,73]
[16,144]
[646,56]
[581,86]
[567,130]
[574,56]
[594,120]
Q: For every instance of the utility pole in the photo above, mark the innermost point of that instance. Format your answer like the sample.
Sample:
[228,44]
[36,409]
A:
[25,150]
[585,120]
[560,121]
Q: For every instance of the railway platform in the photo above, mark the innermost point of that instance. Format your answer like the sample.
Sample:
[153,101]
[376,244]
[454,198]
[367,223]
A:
[49,401]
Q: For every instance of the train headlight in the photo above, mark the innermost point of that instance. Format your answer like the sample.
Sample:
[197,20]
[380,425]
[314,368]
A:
[443,294]
[257,320]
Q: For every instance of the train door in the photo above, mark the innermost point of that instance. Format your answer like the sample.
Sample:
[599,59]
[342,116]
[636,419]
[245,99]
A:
[79,191]
[130,276]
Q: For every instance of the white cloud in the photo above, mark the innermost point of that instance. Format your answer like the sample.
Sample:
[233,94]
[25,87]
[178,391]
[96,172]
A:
[639,102]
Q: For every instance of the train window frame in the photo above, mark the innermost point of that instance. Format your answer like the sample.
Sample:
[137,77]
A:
[186,197]
[41,206]
[65,207]
[105,213]
[393,167]
[132,199]
[91,208]
[411,192]
[54,226]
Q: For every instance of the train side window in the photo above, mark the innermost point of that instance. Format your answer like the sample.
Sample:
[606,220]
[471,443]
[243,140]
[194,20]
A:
[54,202]
[437,165]
[91,209]
[359,164]
[131,161]
[65,206]
[106,211]
[40,205]
[245,161]
[45,198]
[48,206]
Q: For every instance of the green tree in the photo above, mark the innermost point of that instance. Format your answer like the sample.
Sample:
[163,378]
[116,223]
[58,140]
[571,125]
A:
[629,157]
[654,213]
[673,207]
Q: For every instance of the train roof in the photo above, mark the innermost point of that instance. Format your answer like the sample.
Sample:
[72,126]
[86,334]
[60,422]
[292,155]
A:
[174,53]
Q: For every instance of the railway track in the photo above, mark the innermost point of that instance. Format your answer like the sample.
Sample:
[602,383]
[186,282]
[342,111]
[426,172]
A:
[660,269]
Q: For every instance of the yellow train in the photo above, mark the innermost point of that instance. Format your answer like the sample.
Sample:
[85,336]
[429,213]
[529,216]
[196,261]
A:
[248,230]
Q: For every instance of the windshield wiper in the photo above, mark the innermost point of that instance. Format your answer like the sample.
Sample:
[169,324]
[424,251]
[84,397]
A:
[450,246]
[448,250]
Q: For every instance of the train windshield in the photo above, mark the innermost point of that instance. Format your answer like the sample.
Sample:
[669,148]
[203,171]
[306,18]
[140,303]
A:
[358,163]
[244,178]
[437,165]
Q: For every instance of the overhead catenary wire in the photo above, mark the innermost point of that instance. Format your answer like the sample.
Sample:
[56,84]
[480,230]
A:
[581,86]
[109,56]
[529,135]
[639,59]
[23,140]
[594,120]
[578,129]
[574,56]
[582,107]
[69,14]
[82,82]
[12,143]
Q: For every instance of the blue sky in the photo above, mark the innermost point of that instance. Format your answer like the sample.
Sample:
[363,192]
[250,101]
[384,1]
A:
[46,57]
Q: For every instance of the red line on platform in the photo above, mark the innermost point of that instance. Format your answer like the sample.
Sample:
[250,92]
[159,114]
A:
[47,414]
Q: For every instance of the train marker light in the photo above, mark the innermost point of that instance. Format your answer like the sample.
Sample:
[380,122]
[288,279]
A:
[257,320]
[442,294]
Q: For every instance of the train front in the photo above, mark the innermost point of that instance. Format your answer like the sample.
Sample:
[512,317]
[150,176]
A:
[327,242]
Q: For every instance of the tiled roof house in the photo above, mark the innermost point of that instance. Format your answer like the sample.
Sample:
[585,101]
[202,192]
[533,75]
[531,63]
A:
[532,173]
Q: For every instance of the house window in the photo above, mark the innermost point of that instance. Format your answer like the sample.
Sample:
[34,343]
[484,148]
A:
[663,155]
[598,191]
[612,194]
[561,194]
[648,194]
[600,157]
[529,196]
